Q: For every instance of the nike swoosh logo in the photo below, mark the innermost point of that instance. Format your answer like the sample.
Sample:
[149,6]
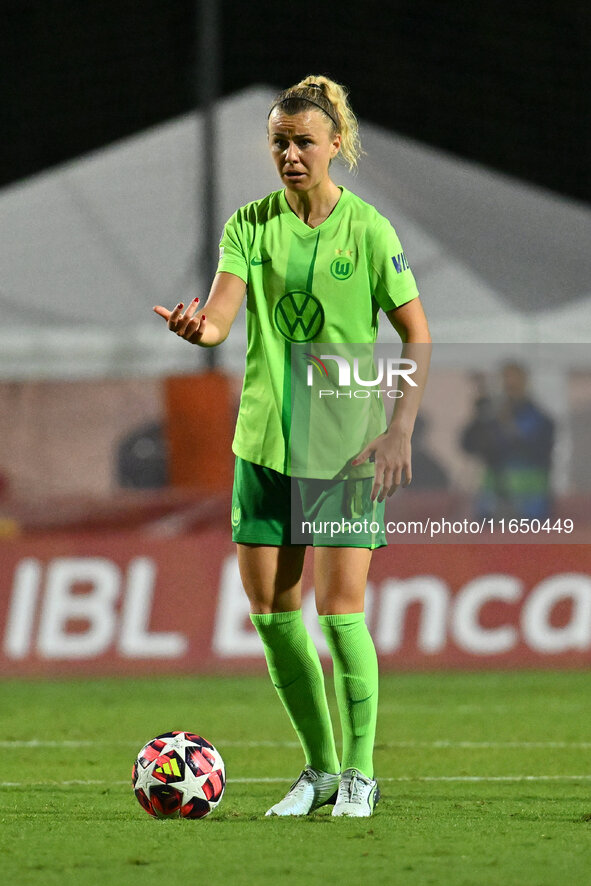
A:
[259,261]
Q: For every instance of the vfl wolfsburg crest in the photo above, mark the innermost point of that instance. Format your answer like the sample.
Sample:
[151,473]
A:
[235,516]
[341,267]
[299,316]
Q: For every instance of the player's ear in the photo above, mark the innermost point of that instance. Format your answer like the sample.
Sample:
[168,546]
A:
[336,144]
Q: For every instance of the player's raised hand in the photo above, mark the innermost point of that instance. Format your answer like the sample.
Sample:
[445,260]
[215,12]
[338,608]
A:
[188,325]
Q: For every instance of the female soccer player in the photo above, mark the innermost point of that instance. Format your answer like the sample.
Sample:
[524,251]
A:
[319,263]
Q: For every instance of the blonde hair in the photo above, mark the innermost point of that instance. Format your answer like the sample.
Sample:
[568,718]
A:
[331,98]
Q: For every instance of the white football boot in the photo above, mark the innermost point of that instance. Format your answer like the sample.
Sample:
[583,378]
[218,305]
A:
[358,795]
[312,789]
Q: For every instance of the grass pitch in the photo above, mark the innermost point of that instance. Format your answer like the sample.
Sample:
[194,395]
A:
[486,779]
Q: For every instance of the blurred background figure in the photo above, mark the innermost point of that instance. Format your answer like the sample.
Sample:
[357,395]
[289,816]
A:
[142,458]
[428,472]
[515,439]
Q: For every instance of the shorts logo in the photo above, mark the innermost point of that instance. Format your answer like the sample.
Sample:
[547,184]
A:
[235,516]
[341,267]
[299,316]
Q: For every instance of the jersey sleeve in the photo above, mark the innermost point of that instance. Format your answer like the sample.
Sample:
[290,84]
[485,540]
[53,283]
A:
[393,281]
[234,249]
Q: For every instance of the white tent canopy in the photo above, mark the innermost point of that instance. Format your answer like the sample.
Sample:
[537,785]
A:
[86,249]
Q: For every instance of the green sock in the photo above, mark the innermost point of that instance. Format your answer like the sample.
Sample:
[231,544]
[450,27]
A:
[356,686]
[296,672]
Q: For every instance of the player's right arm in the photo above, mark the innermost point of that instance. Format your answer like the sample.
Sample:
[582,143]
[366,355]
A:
[210,326]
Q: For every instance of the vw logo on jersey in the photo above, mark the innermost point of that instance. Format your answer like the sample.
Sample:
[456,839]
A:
[299,316]
[341,267]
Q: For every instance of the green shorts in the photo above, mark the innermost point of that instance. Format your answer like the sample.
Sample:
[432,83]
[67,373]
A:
[269,508]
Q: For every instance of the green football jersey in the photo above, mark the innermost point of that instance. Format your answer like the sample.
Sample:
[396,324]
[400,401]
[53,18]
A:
[306,286]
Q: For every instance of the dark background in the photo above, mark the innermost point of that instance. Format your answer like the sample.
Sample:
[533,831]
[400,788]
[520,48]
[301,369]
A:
[504,84]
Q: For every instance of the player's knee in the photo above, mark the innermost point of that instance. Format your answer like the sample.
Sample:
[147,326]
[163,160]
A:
[340,604]
[262,603]
[258,608]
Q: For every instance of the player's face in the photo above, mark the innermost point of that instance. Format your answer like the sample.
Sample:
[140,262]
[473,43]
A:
[302,146]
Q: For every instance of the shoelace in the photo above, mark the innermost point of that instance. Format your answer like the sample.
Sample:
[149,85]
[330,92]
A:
[354,787]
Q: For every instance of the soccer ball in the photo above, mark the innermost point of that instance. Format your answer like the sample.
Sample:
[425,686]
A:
[178,775]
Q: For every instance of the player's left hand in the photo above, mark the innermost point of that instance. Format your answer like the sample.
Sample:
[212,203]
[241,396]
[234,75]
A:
[391,453]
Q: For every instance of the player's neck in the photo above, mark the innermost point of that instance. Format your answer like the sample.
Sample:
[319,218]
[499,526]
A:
[314,206]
